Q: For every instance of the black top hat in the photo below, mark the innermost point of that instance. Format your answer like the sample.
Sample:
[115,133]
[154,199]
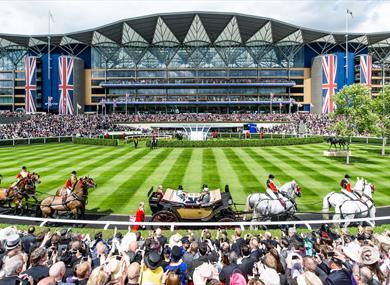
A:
[24,167]
[347,176]
[74,172]
[271,176]
[153,259]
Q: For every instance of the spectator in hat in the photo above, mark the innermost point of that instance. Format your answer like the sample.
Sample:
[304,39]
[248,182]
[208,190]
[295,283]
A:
[38,261]
[12,246]
[177,265]
[151,271]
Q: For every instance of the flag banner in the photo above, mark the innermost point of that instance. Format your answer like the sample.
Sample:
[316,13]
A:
[329,84]
[30,69]
[65,87]
[366,69]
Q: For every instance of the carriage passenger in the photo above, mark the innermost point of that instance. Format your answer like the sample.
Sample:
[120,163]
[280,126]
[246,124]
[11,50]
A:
[181,197]
[204,197]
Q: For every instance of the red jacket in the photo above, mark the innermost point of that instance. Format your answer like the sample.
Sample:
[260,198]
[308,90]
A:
[139,217]
[346,185]
[271,185]
[20,175]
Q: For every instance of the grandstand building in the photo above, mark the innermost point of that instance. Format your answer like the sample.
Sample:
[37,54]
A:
[188,62]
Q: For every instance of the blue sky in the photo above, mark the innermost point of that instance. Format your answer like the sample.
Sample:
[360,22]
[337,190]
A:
[30,17]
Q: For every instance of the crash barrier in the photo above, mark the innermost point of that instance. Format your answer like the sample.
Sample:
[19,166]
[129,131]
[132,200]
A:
[36,140]
[241,224]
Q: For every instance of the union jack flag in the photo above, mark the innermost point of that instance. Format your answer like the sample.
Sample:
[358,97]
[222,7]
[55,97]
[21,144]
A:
[329,84]
[365,69]
[31,84]
[65,66]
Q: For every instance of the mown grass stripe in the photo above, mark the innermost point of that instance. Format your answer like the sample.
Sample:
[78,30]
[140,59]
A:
[176,173]
[228,176]
[210,175]
[249,181]
[155,179]
[86,168]
[35,154]
[192,180]
[125,191]
[36,165]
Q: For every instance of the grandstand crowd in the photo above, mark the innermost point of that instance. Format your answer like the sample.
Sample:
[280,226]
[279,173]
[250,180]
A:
[212,258]
[48,125]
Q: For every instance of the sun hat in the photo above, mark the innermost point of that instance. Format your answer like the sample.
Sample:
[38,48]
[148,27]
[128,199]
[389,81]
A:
[237,279]
[382,239]
[153,259]
[369,255]
[12,242]
[175,240]
[352,250]
[204,272]
[308,278]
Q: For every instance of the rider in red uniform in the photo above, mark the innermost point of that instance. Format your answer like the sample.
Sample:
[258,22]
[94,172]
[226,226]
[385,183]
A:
[69,186]
[23,174]
[273,191]
[346,187]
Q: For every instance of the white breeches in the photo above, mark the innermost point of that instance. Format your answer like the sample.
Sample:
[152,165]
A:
[271,193]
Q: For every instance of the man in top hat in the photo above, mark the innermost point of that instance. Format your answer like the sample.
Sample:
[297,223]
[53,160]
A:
[204,197]
[151,271]
[273,190]
[347,189]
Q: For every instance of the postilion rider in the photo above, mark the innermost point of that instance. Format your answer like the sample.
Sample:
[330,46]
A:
[346,188]
[22,174]
[273,191]
[69,185]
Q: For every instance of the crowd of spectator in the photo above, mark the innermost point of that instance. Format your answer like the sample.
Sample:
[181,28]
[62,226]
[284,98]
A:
[48,125]
[211,258]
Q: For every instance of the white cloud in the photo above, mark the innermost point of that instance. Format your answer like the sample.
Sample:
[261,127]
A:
[30,17]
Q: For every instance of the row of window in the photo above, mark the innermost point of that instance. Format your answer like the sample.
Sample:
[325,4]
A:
[197,73]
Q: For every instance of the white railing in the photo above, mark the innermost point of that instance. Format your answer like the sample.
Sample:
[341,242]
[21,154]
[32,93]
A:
[35,140]
[242,224]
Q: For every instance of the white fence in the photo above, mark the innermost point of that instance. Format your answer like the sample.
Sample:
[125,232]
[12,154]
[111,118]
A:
[35,140]
[242,224]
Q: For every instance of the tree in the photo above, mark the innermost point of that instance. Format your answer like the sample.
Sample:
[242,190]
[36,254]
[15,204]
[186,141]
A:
[354,113]
[381,106]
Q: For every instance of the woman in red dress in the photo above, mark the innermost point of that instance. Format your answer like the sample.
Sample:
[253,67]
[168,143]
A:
[139,215]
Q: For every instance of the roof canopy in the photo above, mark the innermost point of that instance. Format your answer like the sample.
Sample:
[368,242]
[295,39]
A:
[195,29]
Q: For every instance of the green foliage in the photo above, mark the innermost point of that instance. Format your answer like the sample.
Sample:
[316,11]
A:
[381,106]
[94,141]
[237,142]
[354,114]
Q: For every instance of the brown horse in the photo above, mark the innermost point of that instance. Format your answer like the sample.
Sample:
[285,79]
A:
[75,202]
[15,193]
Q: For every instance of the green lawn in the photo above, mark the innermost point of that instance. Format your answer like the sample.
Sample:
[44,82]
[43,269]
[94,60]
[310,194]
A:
[124,174]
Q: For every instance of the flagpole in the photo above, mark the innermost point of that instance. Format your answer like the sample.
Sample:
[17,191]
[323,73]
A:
[48,43]
[346,47]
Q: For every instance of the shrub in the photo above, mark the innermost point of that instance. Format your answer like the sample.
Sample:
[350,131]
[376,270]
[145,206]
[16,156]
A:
[237,142]
[95,141]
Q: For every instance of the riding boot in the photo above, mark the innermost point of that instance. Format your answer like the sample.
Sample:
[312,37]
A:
[64,199]
[283,203]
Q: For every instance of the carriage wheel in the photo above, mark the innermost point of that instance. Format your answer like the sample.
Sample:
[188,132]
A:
[166,217]
[229,219]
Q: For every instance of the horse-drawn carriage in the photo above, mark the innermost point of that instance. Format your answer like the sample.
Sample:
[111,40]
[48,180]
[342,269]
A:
[166,207]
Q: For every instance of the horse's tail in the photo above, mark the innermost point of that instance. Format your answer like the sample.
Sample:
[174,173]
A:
[248,208]
[325,207]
